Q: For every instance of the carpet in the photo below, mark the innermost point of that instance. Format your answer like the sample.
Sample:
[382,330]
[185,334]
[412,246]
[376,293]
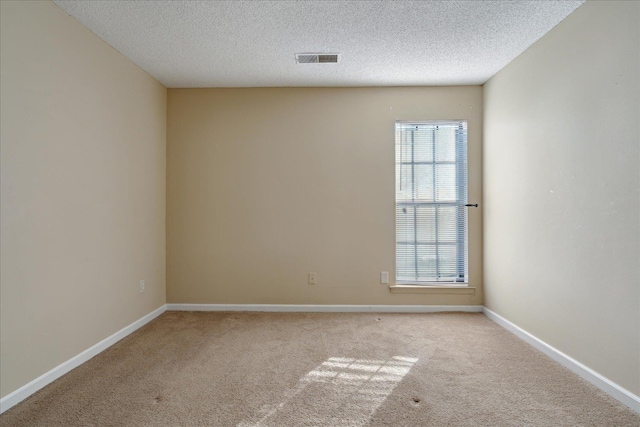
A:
[320,369]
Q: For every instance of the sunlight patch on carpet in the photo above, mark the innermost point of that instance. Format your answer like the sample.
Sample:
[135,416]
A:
[339,392]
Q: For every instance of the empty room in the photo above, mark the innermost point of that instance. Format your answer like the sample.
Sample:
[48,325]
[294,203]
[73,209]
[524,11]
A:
[319,213]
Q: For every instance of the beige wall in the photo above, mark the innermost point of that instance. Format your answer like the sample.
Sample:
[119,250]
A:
[562,214]
[266,185]
[83,190]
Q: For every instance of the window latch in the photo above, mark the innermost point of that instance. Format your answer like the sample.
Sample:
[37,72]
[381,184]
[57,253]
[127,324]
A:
[471,205]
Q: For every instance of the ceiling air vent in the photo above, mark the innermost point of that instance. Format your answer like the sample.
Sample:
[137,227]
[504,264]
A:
[316,58]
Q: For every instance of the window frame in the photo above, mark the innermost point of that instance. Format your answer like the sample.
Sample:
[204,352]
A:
[460,202]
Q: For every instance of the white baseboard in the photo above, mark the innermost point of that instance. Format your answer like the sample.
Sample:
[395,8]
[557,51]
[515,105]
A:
[311,308]
[614,390]
[27,390]
[621,394]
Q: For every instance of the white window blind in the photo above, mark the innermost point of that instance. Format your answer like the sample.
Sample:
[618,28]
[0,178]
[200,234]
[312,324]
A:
[431,194]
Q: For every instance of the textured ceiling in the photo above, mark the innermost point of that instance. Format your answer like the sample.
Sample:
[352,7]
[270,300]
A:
[381,43]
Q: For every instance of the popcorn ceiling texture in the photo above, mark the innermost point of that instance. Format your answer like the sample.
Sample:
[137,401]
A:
[382,43]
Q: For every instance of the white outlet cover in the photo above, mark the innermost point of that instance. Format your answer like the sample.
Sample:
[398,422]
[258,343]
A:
[141,286]
[384,277]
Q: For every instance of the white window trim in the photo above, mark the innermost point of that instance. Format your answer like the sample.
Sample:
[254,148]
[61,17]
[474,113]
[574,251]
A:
[409,285]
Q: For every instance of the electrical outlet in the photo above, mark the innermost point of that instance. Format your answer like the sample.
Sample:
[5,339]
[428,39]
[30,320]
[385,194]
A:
[141,286]
[312,278]
[384,277]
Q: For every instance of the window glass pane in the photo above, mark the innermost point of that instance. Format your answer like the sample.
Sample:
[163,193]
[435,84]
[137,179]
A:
[425,218]
[403,147]
[447,261]
[446,183]
[447,224]
[405,263]
[423,175]
[423,145]
[404,183]
[446,144]
[426,262]
[405,225]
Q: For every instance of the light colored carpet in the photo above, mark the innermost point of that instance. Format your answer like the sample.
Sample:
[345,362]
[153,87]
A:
[318,369]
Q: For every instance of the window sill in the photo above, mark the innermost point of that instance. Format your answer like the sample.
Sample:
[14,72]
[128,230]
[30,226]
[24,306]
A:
[428,289]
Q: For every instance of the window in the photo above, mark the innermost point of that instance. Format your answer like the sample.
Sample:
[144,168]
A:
[431,194]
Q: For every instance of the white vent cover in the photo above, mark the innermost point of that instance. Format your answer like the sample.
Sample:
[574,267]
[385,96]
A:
[316,58]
